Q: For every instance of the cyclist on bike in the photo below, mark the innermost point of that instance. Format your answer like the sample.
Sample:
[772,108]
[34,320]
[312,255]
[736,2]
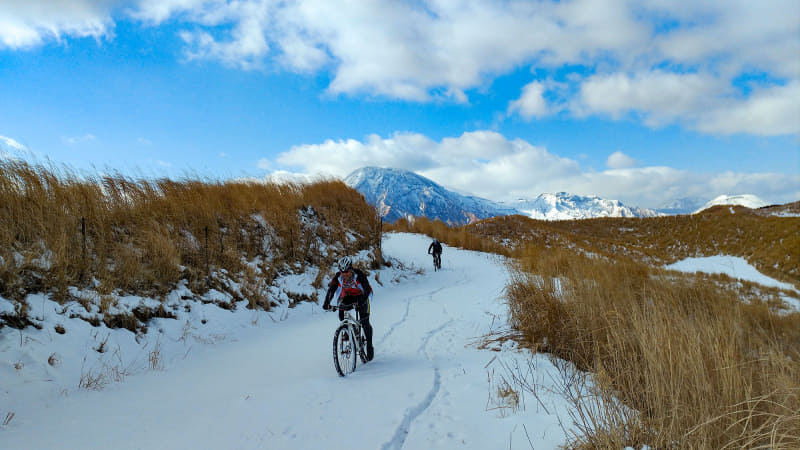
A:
[436,248]
[349,286]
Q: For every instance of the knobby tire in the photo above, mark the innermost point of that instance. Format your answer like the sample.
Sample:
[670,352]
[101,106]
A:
[344,351]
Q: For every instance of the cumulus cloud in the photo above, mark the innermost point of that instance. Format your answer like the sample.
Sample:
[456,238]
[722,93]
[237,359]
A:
[474,162]
[696,101]
[658,61]
[406,50]
[768,111]
[531,103]
[658,96]
[29,23]
[619,160]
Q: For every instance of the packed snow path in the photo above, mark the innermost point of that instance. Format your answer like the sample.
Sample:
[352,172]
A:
[429,386]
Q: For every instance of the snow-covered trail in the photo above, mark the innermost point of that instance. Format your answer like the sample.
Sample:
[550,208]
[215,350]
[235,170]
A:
[429,385]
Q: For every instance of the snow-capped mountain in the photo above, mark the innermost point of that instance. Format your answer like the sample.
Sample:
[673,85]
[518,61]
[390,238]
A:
[746,200]
[565,206]
[401,193]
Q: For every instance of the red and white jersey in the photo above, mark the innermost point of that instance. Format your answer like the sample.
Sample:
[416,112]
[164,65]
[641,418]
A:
[349,287]
[354,286]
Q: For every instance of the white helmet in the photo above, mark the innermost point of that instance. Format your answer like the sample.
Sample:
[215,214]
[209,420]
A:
[345,263]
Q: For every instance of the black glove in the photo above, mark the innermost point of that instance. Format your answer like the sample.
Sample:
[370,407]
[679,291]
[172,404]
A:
[326,306]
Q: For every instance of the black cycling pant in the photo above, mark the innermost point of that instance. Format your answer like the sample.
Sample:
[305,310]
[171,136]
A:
[362,307]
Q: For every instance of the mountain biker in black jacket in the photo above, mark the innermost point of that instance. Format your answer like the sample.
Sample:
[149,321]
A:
[436,247]
[348,286]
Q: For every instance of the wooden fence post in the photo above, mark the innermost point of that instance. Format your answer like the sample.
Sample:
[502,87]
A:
[206,249]
[83,249]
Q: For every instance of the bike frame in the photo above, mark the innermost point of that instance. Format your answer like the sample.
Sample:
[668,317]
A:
[435,265]
[353,325]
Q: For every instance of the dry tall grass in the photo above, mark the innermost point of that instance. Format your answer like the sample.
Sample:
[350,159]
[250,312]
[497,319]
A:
[59,229]
[701,367]
[462,237]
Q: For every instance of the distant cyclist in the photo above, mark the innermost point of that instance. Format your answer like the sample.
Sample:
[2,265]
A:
[436,249]
[351,286]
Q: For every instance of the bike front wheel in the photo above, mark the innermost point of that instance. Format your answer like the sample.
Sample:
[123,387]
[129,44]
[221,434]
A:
[344,351]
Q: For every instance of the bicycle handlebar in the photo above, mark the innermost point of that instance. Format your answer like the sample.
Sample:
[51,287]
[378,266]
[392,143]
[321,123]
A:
[342,307]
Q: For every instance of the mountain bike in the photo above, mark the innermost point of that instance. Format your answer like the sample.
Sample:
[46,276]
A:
[437,261]
[348,341]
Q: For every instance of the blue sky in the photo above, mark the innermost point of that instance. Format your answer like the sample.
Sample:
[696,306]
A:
[641,101]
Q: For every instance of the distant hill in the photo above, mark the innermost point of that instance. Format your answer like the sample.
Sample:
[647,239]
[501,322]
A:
[746,200]
[400,193]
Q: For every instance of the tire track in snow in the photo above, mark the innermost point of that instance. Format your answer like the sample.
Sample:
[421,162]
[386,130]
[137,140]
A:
[399,437]
[464,279]
[405,314]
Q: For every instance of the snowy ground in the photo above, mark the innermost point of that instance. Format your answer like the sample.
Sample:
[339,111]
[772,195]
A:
[219,379]
[736,267]
[215,379]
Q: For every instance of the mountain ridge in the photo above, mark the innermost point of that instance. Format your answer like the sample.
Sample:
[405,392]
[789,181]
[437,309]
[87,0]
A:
[398,193]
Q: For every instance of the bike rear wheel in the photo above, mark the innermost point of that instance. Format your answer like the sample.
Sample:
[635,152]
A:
[344,351]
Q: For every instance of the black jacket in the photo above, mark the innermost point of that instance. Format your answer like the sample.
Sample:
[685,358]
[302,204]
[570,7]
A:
[436,246]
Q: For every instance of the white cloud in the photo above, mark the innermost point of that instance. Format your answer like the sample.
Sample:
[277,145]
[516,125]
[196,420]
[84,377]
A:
[619,160]
[157,11]
[29,23]
[11,143]
[768,111]
[144,141]
[531,103]
[697,101]
[616,57]
[730,36]
[659,96]
[247,45]
[474,162]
